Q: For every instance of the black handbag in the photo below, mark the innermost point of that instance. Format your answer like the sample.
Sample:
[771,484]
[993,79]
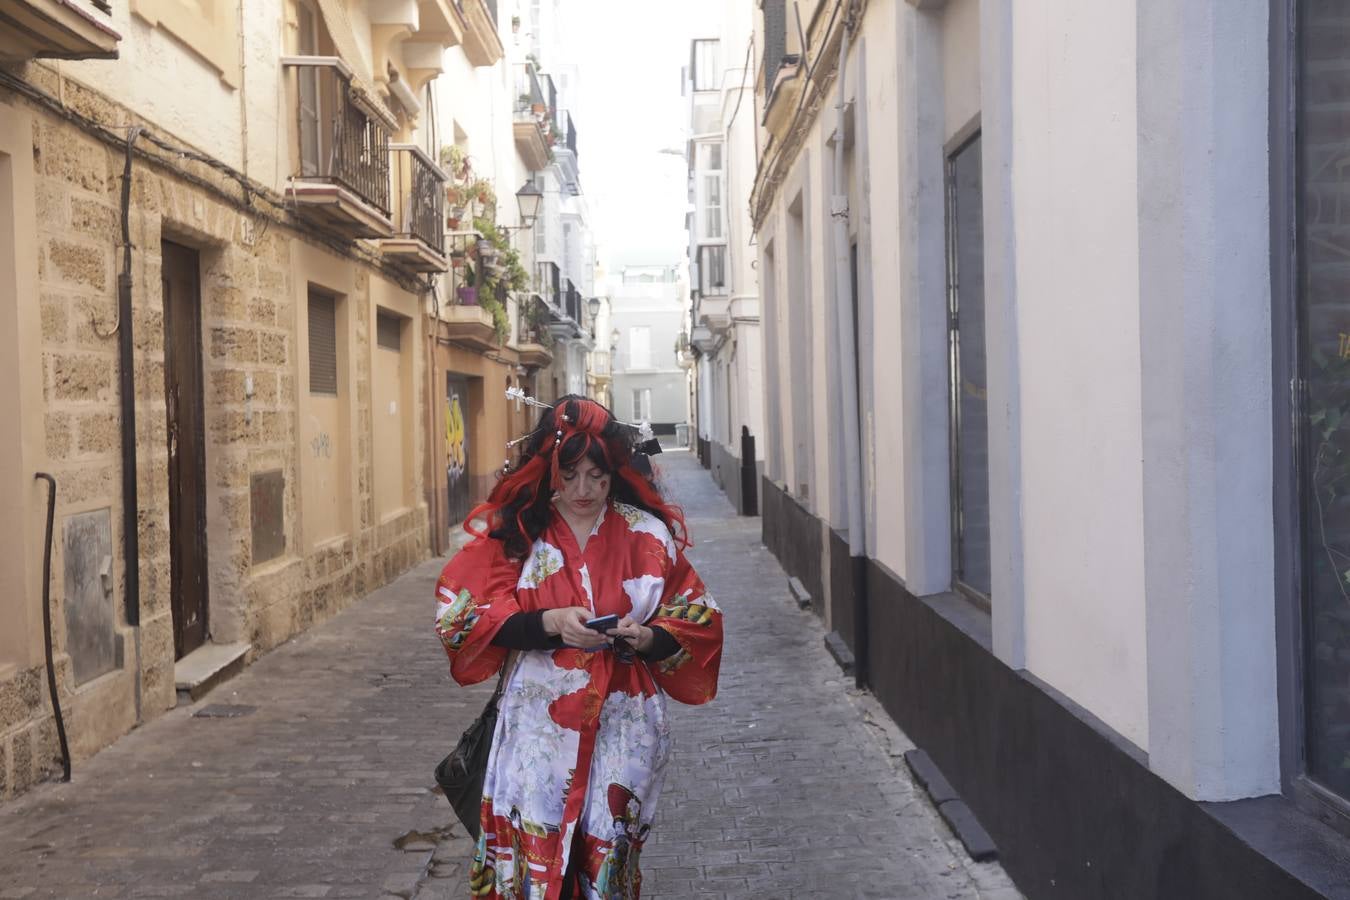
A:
[460,774]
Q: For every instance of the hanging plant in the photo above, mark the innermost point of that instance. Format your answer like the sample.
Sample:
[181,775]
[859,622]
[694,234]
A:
[456,161]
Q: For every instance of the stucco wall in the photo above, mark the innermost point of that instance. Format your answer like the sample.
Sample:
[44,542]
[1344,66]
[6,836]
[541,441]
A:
[163,75]
[1078,289]
[885,454]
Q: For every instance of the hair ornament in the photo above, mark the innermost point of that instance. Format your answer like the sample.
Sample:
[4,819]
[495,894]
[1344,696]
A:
[518,394]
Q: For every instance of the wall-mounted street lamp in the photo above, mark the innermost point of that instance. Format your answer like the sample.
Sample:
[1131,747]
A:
[529,198]
[614,340]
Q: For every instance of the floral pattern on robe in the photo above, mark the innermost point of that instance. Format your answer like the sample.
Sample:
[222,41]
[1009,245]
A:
[582,741]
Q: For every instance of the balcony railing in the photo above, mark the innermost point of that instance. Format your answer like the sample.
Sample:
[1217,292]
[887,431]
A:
[600,362]
[531,117]
[572,302]
[419,197]
[341,141]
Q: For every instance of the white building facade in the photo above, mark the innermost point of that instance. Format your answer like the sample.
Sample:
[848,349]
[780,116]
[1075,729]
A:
[725,336]
[647,309]
[1053,328]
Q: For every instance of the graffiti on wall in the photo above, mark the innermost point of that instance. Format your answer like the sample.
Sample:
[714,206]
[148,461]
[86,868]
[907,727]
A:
[321,446]
[456,449]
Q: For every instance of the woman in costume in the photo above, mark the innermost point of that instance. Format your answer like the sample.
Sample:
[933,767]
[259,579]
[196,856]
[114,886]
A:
[573,532]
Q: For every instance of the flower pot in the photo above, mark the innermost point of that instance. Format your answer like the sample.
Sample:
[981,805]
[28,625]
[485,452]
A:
[452,223]
[468,296]
[538,109]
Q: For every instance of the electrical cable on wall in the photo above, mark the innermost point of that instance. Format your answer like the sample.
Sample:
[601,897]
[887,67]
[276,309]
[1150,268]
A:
[250,189]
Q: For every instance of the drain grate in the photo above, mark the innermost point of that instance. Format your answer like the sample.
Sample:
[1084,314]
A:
[224,711]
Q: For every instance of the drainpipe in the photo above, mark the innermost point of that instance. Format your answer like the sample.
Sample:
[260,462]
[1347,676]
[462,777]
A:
[848,372]
[435,510]
[127,397]
[47,624]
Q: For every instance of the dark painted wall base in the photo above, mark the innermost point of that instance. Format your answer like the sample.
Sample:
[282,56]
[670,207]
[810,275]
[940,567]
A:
[841,590]
[1073,808]
[793,535]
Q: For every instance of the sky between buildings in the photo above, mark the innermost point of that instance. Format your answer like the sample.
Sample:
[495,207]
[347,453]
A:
[629,54]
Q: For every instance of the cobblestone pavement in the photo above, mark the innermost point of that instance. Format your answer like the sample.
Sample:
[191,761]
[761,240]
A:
[785,786]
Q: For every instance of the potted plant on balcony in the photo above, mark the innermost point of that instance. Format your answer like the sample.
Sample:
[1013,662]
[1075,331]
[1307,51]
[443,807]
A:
[455,161]
[467,293]
[486,196]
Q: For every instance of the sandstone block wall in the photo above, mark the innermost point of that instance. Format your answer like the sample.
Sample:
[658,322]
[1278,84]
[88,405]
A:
[248,332]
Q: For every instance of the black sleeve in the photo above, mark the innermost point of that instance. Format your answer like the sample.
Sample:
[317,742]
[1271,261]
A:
[663,645]
[525,631]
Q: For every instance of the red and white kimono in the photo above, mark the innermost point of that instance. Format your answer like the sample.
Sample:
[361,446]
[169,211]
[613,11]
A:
[582,739]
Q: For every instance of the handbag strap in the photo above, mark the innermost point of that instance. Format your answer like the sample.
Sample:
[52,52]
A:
[508,666]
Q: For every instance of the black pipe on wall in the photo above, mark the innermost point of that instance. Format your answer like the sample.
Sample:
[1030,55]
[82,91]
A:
[47,621]
[127,388]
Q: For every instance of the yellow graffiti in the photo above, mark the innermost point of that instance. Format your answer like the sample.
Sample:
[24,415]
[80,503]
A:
[456,454]
[1344,349]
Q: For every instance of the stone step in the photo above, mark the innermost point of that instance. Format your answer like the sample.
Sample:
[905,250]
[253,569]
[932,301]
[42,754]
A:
[209,665]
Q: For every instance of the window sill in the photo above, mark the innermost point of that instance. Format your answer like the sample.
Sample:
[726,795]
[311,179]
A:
[1310,851]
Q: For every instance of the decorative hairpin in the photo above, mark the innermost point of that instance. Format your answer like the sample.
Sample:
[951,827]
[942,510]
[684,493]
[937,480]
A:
[517,393]
[643,428]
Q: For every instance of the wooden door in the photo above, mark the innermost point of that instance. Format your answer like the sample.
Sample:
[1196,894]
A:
[187,446]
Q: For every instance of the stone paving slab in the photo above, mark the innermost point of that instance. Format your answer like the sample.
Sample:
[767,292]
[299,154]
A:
[785,786]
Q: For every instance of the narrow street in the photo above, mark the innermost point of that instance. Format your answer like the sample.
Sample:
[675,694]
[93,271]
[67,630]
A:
[309,775]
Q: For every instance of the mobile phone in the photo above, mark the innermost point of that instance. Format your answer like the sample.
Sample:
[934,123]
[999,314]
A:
[603,623]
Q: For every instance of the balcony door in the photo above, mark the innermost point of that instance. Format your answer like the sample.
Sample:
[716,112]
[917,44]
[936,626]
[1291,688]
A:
[311,114]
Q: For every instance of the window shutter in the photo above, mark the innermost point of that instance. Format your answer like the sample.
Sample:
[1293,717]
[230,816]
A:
[775,40]
[322,344]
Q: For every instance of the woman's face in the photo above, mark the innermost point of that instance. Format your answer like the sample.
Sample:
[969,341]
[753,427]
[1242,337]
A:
[584,488]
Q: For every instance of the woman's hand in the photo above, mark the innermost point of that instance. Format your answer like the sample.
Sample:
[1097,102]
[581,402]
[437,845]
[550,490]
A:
[569,622]
[640,637]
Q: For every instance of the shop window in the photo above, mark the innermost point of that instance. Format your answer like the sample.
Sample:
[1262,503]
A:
[1322,178]
[968,382]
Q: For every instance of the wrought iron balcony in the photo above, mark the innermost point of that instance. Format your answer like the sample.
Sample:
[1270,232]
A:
[419,211]
[56,29]
[531,119]
[342,178]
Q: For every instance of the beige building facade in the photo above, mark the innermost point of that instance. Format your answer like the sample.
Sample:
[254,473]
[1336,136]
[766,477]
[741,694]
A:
[282,218]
